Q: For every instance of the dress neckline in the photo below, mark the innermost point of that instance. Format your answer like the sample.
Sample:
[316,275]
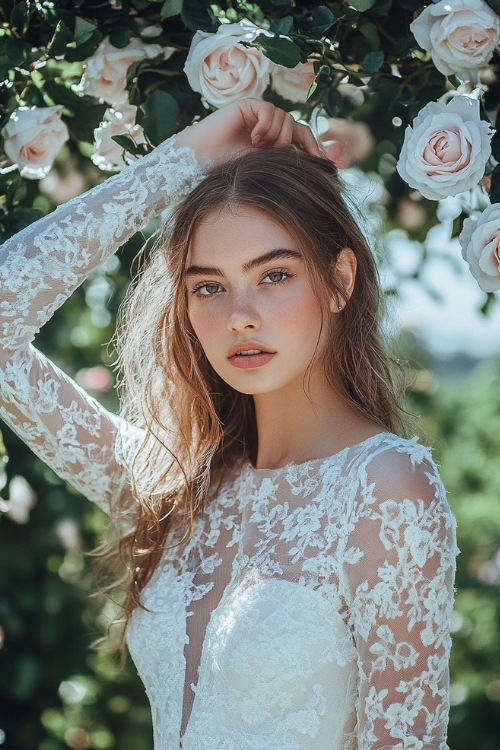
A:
[311,461]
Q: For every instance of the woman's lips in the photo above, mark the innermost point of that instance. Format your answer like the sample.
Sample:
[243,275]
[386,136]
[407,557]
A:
[251,360]
[249,355]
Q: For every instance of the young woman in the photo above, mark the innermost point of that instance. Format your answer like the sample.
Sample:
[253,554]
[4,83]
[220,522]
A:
[291,557]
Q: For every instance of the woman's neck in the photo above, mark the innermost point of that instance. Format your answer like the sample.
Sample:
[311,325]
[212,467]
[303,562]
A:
[305,426]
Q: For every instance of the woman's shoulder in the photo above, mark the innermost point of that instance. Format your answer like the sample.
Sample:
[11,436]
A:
[395,467]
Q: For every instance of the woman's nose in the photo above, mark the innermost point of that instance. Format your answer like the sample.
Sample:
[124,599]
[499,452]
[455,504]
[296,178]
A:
[243,315]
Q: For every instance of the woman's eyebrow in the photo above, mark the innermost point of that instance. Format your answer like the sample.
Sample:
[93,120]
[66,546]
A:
[278,254]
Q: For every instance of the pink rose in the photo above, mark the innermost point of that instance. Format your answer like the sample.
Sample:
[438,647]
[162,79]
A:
[461,35]
[293,83]
[222,70]
[446,148]
[32,138]
[480,241]
[105,73]
[108,154]
[346,142]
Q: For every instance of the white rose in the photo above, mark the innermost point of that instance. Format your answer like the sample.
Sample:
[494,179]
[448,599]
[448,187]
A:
[293,83]
[480,241]
[460,34]
[108,154]
[32,138]
[222,70]
[446,148]
[105,73]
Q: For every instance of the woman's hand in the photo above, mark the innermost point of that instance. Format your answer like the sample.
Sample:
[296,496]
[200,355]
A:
[245,124]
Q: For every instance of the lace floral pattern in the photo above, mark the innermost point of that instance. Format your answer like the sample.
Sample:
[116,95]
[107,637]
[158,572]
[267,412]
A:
[39,268]
[330,630]
[310,608]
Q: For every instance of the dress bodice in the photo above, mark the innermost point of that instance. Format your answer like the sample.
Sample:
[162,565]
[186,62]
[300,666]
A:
[279,625]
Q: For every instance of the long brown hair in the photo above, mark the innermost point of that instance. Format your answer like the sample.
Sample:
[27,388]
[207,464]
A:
[196,427]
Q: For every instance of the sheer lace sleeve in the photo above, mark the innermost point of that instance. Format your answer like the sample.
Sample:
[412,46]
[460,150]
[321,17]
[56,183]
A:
[400,586]
[39,268]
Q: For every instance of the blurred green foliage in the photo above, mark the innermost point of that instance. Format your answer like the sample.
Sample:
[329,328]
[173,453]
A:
[459,415]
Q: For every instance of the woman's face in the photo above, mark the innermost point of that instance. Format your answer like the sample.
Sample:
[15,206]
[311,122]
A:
[250,302]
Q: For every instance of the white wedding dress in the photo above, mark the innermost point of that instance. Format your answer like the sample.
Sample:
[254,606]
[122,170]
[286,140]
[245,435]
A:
[310,608]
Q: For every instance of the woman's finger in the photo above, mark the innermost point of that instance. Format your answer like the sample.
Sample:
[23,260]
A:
[305,138]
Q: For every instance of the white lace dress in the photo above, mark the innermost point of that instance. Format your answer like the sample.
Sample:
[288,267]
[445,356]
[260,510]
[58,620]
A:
[310,608]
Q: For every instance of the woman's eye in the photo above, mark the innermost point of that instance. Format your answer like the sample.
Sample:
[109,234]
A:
[208,289]
[274,277]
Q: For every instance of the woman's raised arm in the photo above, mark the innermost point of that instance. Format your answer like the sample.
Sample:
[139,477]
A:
[42,265]
[39,268]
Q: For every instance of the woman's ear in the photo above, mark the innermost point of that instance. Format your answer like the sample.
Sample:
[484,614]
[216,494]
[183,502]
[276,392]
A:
[345,271]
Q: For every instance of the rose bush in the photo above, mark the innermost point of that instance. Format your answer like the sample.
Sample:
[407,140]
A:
[293,83]
[461,35]
[363,62]
[32,138]
[222,70]
[105,72]
[480,241]
[446,148]
[108,154]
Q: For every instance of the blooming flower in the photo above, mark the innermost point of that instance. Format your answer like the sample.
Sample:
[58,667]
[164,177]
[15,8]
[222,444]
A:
[32,138]
[105,72]
[461,35]
[480,241]
[293,83]
[107,153]
[222,70]
[446,148]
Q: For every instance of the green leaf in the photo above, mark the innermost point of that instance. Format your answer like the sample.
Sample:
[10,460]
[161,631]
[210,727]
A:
[120,37]
[373,61]
[196,16]
[83,30]
[323,19]
[369,31]
[171,8]
[361,5]
[83,117]
[84,50]
[382,7]
[17,51]
[495,185]
[62,37]
[495,141]
[494,5]
[278,49]
[282,25]
[158,116]
[23,217]
[128,144]
[20,18]
[335,102]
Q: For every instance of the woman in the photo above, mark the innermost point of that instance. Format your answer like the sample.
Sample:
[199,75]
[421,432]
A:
[291,557]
